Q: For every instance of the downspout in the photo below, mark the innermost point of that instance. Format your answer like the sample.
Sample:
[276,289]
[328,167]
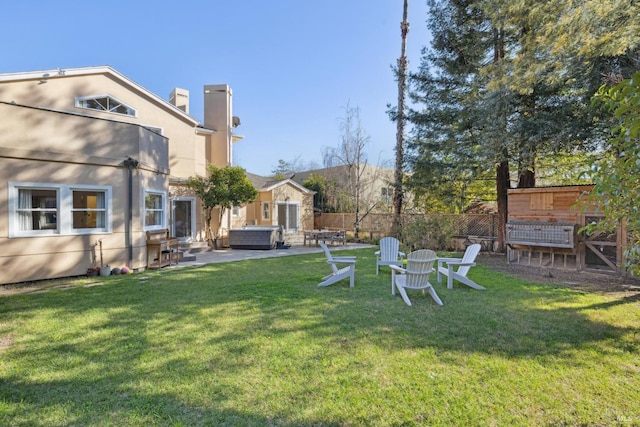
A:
[130,164]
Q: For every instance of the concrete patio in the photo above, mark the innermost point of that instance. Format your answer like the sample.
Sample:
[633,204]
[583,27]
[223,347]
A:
[208,256]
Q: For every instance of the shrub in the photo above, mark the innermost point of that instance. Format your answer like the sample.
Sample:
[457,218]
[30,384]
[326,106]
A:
[429,232]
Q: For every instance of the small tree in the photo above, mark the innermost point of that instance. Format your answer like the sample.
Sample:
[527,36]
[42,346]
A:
[350,154]
[617,173]
[223,188]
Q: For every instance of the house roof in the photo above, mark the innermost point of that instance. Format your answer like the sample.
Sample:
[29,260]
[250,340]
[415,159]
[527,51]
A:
[105,69]
[340,170]
[267,184]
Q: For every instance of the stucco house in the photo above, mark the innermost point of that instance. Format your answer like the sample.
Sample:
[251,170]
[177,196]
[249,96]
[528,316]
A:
[282,202]
[87,154]
[376,186]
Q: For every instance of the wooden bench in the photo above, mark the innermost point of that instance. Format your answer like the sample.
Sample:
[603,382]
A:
[162,250]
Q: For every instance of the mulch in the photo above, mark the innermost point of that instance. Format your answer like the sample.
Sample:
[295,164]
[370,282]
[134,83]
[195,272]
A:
[582,280]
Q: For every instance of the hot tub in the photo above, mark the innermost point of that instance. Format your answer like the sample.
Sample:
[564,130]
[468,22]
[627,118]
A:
[255,237]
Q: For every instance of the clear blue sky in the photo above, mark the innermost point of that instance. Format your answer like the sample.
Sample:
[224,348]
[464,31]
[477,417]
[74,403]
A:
[292,65]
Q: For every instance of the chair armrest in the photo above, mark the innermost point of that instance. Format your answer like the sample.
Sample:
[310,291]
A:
[449,259]
[343,258]
[377,253]
[463,264]
[397,268]
[455,261]
[402,254]
[342,261]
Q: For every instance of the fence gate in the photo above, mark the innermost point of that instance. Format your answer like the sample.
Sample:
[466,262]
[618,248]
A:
[601,249]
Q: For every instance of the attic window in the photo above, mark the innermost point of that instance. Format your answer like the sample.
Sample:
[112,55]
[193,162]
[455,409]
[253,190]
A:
[105,103]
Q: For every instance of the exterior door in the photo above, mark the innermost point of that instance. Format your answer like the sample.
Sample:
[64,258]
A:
[600,249]
[183,224]
[288,216]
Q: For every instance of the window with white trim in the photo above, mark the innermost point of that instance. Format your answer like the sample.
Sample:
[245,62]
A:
[386,195]
[266,211]
[154,129]
[89,209]
[154,210]
[105,103]
[37,209]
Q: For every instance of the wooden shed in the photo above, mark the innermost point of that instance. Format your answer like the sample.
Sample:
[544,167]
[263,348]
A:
[543,229]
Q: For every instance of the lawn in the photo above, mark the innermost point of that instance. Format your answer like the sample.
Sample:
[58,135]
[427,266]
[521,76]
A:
[257,343]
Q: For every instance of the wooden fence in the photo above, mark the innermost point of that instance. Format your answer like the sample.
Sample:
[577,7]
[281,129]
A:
[377,225]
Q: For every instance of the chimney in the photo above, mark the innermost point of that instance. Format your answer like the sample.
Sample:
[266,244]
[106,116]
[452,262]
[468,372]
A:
[180,98]
[218,107]
[218,116]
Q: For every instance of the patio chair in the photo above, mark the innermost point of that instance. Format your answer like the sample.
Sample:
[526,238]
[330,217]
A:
[339,273]
[415,276]
[389,253]
[463,265]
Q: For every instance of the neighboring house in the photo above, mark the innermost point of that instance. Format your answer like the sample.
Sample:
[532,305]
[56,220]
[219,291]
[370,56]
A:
[281,202]
[376,187]
[88,154]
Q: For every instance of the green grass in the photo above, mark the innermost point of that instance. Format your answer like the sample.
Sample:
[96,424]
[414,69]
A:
[257,343]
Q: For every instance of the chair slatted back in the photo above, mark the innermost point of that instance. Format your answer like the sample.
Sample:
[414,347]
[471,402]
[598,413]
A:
[469,256]
[419,267]
[389,248]
[329,257]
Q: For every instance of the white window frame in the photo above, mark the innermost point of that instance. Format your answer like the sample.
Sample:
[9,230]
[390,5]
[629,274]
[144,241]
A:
[154,129]
[163,210]
[64,193]
[79,99]
[193,225]
[386,195]
[265,210]
[87,210]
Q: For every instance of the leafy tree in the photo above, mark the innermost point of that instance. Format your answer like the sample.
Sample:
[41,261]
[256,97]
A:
[567,168]
[458,141]
[323,189]
[283,169]
[223,188]
[617,171]
[496,90]
[287,168]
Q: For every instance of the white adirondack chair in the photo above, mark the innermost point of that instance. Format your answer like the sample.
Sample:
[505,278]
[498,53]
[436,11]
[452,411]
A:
[415,276]
[457,268]
[389,253]
[339,273]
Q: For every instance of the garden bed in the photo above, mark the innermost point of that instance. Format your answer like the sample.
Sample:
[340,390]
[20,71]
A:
[596,282]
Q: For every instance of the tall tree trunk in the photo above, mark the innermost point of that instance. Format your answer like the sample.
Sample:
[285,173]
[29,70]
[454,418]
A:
[356,225]
[502,185]
[402,87]
[527,179]
[502,169]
